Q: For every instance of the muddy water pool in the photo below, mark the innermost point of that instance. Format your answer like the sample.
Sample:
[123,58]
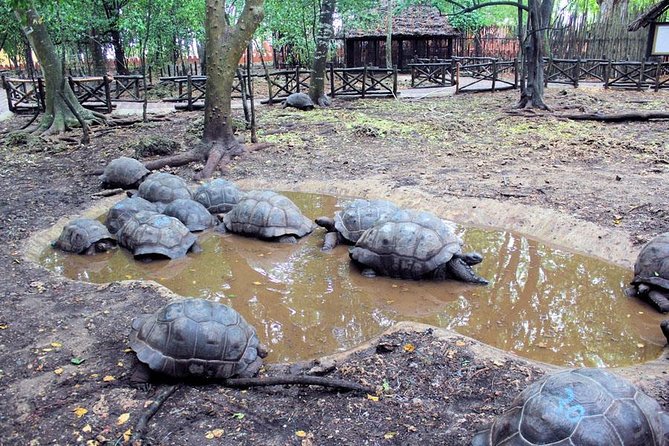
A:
[543,303]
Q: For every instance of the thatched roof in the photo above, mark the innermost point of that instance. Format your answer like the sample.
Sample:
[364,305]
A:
[415,20]
[649,16]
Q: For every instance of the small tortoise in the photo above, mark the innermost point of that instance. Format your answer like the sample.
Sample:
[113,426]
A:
[122,211]
[348,224]
[149,235]
[651,272]
[415,245]
[218,196]
[84,236]
[579,407]
[301,101]
[268,215]
[191,213]
[197,338]
[124,172]
[163,188]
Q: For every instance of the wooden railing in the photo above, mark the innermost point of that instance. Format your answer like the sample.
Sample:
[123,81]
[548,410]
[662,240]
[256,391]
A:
[362,82]
[486,75]
[24,94]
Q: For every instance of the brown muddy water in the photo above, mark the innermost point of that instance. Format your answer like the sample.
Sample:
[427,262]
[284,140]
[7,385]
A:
[543,303]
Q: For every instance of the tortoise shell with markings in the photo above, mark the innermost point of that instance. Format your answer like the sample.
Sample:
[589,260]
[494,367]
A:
[579,407]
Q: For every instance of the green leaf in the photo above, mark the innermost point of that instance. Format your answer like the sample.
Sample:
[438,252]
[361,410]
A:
[77,361]
[238,415]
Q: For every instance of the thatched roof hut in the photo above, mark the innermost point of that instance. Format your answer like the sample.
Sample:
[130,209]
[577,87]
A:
[649,16]
[419,31]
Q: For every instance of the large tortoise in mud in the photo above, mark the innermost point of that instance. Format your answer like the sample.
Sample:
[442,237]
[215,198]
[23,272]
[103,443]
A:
[651,272]
[579,407]
[415,245]
[197,338]
[124,172]
[218,196]
[163,188]
[353,220]
[150,235]
[84,236]
[268,215]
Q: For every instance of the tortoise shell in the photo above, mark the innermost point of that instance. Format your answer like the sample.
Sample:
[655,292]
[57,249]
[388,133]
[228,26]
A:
[123,172]
[652,264]
[267,214]
[407,244]
[164,188]
[360,215]
[579,407]
[151,234]
[191,213]
[218,196]
[78,235]
[300,101]
[122,211]
[197,338]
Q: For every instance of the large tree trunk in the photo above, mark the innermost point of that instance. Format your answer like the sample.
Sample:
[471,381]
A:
[224,47]
[58,116]
[97,54]
[325,34]
[532,94]
[119,52]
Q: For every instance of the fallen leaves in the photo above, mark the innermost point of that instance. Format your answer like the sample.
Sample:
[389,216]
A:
[372,397]
[80,412]
[409,348]
[214,433]
[108,378]
[59,371]
[77,360]
[123,418]
[301,434]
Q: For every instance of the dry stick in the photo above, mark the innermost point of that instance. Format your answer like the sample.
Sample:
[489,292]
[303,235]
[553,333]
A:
[140,427]
[299,380]
[619,117]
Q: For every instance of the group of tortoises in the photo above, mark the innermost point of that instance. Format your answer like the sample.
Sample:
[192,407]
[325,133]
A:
[200,338]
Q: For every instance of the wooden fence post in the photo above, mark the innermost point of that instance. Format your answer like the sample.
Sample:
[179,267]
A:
[577,71]
[607,74]
[8,90]
[494,73]
[364,80]
[642,73]
[297,79]
[453,69]
[515,72]
[107,80]
[394,80]
[189,90]
[332,86]
[547,71]
[413,71]
[457,78]
[657,76]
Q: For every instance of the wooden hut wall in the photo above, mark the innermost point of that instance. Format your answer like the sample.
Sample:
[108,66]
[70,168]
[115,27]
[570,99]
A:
[372,51]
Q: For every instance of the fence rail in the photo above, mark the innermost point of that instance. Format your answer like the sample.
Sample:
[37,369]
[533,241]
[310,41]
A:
[486,75]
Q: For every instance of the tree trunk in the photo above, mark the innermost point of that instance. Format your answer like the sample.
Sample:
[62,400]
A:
[532,95]
[325,34]
[119,52]
[224,47]
[97,54]
[57,117]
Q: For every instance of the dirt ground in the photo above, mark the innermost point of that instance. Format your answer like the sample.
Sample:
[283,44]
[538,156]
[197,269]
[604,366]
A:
[64,358]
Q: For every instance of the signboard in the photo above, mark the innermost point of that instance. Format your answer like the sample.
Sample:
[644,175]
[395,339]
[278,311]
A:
[659,41]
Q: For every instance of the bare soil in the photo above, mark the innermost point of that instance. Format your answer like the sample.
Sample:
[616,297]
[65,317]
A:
[64,358]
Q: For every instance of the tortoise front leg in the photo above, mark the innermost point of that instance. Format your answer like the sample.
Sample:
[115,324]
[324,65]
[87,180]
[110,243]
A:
[660,299]
[330,241]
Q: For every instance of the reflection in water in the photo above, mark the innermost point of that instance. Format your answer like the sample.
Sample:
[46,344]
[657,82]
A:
[542,303]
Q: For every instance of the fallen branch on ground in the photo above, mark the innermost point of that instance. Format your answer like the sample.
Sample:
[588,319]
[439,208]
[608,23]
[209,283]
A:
[619,117]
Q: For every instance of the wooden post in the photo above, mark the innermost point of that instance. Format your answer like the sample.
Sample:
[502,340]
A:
[515,72]
[189,89]
[249,80]
[607,74]
[494,74]
[413,74]
[657,76]
[642,72]
[457,78]
[364,80]
[454,66]
[577,71]
[547,72]
[395,80]
[8,90]
[332,82]
[136,85]
[107,80]
[297,78]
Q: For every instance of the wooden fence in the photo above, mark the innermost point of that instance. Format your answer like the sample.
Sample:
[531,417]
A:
[486,75]
[24,94]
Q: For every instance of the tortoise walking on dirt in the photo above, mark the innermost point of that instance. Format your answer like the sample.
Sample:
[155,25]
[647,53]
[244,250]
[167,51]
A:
[197,338]
[84,236]
[355,218]
[415,245]
[579,407]
[124,172]
[651,272]
[301,101]
[268,215]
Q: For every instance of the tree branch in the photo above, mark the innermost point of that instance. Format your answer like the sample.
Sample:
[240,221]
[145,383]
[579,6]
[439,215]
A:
[484,5]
